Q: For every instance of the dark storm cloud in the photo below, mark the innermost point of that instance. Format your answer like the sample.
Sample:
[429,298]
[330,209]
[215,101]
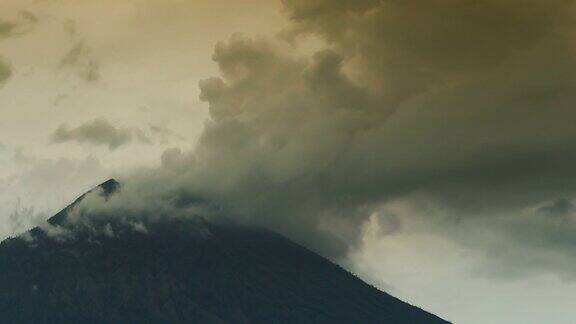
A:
[409,46]
[468,103]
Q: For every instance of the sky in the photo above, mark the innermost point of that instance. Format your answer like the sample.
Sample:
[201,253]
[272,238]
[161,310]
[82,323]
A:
[427,146]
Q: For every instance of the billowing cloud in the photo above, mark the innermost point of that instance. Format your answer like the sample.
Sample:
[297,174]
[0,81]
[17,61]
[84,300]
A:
[469,105]
[406,47]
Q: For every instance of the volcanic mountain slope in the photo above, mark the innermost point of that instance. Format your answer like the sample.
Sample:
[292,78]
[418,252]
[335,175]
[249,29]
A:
[183,271]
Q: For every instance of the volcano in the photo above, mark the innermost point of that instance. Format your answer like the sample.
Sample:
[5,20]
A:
[181,271]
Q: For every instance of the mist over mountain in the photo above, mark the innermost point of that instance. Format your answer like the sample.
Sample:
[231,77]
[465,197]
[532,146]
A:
[179,271]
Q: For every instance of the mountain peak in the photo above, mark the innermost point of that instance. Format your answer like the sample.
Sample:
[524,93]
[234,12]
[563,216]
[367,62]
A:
[106,188]
[109,187]
[170,274]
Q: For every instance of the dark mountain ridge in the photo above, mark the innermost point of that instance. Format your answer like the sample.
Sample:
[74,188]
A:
[183,271]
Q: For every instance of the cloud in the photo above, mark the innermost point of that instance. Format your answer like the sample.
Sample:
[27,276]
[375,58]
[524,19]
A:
[454,101]
[8,28]
[101,132]
[80,59]
[96,132]
[407,47]
[164,133]
[142,137]
[25,200]
[5,71]
[560,208]
[22,217]
[13,28]
[29,16]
